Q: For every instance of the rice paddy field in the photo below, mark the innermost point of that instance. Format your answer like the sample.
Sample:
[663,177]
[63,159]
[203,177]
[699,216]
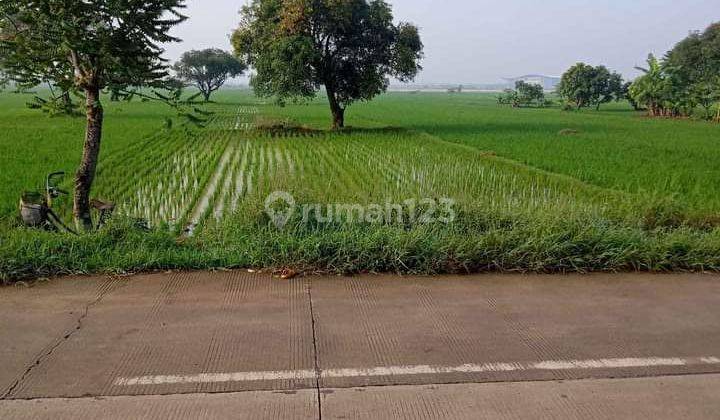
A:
[533,190]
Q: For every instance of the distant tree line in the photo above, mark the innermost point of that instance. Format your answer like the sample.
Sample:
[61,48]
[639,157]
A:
[582,86]
[685,80]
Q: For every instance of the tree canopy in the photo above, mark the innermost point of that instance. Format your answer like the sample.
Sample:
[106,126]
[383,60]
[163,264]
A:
[651,90]
[208,70]
[687,78]
[524,94]
[350,47]
[693,67]
[90,46]
[584,85]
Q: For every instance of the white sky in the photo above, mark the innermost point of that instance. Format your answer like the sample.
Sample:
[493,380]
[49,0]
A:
[481,41]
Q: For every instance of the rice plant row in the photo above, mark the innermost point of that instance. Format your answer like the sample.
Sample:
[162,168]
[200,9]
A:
[189,178]
[386,166]
[160,179]
[228,181]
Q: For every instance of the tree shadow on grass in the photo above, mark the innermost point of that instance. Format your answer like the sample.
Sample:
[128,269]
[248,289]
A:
[289,128]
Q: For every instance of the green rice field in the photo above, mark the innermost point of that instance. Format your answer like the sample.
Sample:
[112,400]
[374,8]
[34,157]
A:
[531,190]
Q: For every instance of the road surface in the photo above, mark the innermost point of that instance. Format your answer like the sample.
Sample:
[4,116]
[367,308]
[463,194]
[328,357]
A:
[244,345]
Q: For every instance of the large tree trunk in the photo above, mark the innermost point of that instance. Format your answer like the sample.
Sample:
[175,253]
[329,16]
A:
[338,112]
[205,89]
[85,174]
[338,118]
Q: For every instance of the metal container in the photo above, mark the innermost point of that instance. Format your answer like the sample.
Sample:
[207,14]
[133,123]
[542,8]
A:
[33,209]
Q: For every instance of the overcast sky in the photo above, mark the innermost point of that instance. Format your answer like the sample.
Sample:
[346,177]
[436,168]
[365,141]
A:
[481,41]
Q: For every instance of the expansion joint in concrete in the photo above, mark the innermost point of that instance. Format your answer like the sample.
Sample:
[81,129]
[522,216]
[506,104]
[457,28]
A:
[315,350]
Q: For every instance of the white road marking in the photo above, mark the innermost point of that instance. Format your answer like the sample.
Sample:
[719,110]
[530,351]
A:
[418,370]
[205,378]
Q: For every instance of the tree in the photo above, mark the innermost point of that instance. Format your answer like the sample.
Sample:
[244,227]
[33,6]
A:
[584,85]
[711,50]
[208,70]
[59,100]
[524,94]
[529,93]
[650,89]
[694,66]
[350,47]
[626,94]
[576,85]
[606,87]
[97,45]
[509,97]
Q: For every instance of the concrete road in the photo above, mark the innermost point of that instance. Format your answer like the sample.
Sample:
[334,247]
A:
[236,344]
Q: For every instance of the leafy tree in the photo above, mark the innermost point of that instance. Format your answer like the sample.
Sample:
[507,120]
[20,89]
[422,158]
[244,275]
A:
[350,47]
[59,101]
[529,93]
[694,66]
[524,94]
[94,45]
[600,86]
[687,78]
[509,97]
[584,85]
[626,94]
[706,94]
[208,70]
[607,86]
[650,89]
[576,85]
[711,50]
[663,91]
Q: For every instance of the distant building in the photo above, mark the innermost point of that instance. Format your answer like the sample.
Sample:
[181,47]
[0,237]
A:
[547,82]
